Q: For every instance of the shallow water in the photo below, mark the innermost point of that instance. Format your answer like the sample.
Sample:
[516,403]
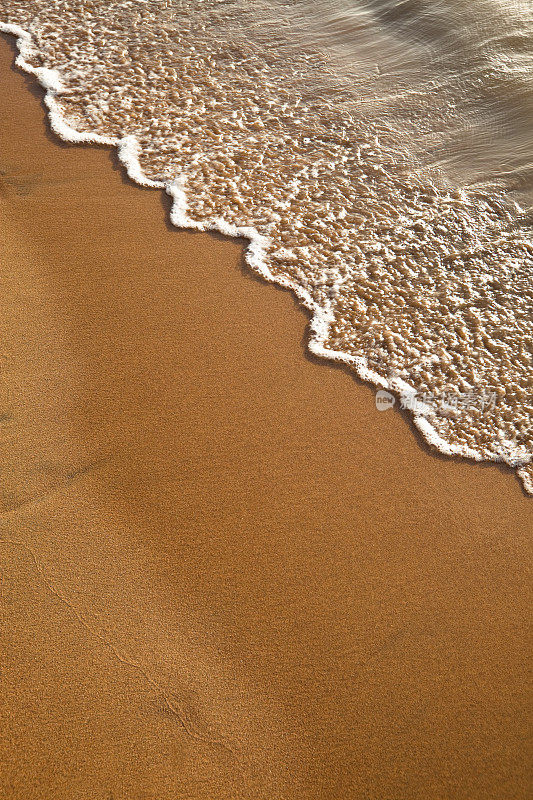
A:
[378,155]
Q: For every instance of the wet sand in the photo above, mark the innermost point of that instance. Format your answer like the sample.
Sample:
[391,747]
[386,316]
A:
[224,574]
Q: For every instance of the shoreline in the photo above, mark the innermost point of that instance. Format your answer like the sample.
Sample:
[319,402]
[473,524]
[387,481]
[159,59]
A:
[320,319]
[186,497]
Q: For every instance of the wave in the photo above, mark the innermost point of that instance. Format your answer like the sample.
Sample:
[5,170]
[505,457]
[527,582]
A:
[422,287]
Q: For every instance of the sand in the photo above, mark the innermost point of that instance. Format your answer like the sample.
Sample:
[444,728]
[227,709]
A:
[224,573]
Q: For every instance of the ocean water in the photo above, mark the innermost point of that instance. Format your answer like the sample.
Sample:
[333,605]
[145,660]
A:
[378,156]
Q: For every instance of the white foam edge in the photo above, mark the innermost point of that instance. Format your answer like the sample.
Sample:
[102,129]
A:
[526,478]
[255,255]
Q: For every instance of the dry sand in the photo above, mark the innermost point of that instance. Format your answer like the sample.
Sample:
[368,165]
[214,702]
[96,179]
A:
[224,574]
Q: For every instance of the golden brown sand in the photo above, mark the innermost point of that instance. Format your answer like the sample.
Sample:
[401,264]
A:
[224,574]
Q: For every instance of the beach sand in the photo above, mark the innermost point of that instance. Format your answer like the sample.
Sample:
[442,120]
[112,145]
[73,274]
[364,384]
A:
[224,573]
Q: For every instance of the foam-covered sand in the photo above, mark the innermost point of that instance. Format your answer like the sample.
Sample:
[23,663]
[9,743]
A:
[210,590]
